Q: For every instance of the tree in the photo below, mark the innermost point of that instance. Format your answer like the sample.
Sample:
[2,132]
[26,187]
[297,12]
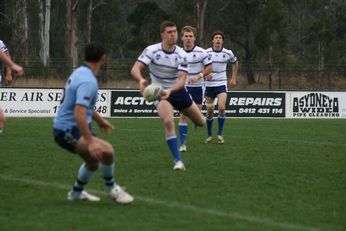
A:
[90,9]
[243,15]
[20,31]
[319,35]
[44,30]
[71,34]
[145,19]
[271,36]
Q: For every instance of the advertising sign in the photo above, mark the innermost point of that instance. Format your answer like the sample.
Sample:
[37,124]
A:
[256,104]
[317,105]
[130,103]
[40,102]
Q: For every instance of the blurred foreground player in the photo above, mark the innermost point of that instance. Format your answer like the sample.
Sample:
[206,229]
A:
[73,129]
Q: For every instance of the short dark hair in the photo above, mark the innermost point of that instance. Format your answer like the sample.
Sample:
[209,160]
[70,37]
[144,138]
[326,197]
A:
[165,24]
[93,52]
[218,33]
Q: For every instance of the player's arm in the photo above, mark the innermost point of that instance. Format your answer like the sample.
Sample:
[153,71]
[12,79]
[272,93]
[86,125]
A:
[105,125]
[233,81]
[9,63]
[8,77]
[94,147]
[80,114]
[136,72]
[206,71]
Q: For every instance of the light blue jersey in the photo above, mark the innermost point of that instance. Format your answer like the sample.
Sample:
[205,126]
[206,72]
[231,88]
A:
[81,88]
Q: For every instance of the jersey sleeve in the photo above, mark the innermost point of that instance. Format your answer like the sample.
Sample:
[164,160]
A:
[3,47]
[183,65]
[145,57]
[232,57]
[206,58]
[85,93]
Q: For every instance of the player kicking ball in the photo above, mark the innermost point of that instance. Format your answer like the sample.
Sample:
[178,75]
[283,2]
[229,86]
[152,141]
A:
[168,65]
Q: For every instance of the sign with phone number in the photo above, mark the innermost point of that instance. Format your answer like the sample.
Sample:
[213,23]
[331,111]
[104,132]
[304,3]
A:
[256,104]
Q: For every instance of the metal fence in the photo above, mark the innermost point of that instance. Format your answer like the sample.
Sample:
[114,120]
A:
[116,73]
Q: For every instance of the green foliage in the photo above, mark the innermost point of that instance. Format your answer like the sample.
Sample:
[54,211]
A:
[271,36]
[146,19]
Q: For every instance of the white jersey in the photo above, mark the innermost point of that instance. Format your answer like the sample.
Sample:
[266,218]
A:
[4,49]
[220,60]
[164,66]
[197,59]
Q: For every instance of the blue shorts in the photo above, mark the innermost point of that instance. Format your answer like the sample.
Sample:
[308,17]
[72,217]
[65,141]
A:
[68,139]
[212,92]
[180,99]
[196,93]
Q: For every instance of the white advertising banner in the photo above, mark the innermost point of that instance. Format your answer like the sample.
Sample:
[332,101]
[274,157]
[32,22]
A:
[21,102]
[316,105]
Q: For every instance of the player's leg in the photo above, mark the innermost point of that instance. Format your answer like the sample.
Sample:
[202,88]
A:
[183,128]
[2,120]
[222,97]
[72,141]
[165,111]
[106,167]
[194,113]
[209,102]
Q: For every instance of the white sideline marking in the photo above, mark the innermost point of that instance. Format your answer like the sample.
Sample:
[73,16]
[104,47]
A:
[177,205]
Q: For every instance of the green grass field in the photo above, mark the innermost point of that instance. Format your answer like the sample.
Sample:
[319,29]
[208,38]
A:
[269,175]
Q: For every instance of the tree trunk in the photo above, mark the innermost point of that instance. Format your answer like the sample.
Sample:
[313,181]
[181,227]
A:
[44,30]
[88,20]
[71,36]
[270,67]
[20,32]
[74,35]
[201,9]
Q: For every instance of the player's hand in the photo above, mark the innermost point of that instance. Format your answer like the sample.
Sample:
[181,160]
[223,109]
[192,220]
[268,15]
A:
[106,127]
[142,84]
[232,82]
[166,93]
[8,79]
[95,149]
[208,77]
[193,79]
[17,69]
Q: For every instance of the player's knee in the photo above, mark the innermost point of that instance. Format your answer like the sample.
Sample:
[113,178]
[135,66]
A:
[91,165]
[168,123]
[183,119]
[209,106]
[222,111]
[201,122]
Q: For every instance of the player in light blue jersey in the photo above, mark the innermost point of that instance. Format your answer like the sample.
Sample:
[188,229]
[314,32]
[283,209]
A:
[199,65]
[168,67]
[216,83]
[73,128]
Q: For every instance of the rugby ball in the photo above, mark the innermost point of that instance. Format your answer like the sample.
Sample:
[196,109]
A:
[152,92]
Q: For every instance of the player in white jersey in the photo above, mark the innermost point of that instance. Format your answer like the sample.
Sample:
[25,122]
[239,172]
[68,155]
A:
[73,130]
[10,65]
[8,76]
[199,65]
[216,83]
[168,67]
